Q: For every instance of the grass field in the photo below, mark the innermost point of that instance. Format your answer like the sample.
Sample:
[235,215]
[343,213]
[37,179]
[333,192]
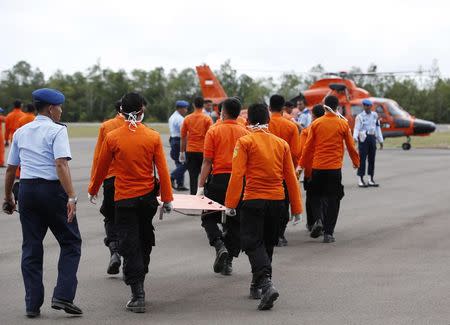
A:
[435,140]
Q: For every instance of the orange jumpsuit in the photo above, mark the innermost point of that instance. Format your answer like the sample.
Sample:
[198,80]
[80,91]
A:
[25,119]
[11,123]
[2,141]
[287,131]
[240,120]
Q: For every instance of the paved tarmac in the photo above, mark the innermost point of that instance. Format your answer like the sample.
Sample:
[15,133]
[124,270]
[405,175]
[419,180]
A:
[389,265]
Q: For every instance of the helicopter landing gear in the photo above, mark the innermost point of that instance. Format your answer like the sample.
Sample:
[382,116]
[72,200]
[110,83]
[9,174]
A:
[407,144]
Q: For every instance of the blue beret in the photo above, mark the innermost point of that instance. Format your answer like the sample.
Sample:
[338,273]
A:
[367,102]
[181,103]
[48,96]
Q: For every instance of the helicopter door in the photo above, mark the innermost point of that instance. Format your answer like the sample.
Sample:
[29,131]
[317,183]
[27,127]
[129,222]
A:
[384,116]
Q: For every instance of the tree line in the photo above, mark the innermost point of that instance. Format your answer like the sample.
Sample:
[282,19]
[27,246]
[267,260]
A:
[90,95]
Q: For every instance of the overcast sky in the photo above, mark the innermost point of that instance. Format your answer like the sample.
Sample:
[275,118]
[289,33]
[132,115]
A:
[261,38]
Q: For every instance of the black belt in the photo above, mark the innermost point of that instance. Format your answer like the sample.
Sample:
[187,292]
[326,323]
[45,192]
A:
[175,137]
[38,181]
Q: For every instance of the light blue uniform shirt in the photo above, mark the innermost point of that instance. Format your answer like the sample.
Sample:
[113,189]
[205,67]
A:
[367,124]
[35,147]
[175,122]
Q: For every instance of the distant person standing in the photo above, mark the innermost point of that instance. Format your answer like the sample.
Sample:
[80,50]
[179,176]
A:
[175,122]
[324,153]
[193,133]
[304,118]
[287,111]
[208,107]
[47,200]
[367,132]
[29,116]
[107,209]
[12,120]
[2,139]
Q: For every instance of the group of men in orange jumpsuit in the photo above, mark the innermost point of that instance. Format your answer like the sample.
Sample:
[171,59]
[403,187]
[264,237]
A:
[249,169]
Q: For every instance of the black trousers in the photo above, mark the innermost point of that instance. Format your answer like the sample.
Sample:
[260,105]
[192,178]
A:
[310,220]
[216,189]
[136,235]
[43,206]
[178,173]
[285,212]
[108,211]
[260,224]
[328,192]
[367,151]
[194,162]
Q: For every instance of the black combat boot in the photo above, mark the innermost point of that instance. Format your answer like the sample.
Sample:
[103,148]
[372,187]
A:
[137,300]
[228,266]
[221,255]
[255,292]
[114,262]
[269,294]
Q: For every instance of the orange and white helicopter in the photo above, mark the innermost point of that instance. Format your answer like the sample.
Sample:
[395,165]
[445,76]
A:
[395,121]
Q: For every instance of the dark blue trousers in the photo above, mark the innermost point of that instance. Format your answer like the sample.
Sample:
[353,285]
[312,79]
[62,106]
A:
[178,173]
[367,150]
[43,205]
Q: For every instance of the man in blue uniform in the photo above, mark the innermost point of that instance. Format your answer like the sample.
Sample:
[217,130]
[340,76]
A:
[367,132]
[47,200]
[175,121]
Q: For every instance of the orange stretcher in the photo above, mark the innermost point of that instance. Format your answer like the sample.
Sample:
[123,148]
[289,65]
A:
[191,202]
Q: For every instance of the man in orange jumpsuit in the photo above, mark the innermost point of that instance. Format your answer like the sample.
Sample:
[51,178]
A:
[107,209]
[288,131]
[2,139]
[134,150]
[324,153]
[193,133]
[29,116]
[317,111]
[265,161]
[219,146]
[12,120]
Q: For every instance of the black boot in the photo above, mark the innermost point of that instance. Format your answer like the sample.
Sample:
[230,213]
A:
[137,300]
[255,292]
[114,262]
[221,255]
[228,266]
[269,294]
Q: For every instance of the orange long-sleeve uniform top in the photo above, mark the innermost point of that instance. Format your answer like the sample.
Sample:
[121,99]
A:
[265,161]
[220,141]
[25,119]
[2,141]
[240,120]
[286,130]
[324,147]
[303,138]
[133,155]
[105,128]
[11,122]
[194,129]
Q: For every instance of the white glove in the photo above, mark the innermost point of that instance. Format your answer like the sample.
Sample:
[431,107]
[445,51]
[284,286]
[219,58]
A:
[167,207]
[297,218]
[230,212]
[92,198]
[200,191]
[182,157]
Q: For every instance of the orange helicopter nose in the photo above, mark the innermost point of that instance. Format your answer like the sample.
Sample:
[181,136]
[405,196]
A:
[423,126]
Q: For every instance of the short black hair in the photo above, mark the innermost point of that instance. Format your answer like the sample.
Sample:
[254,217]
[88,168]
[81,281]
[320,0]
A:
[258,113]
[30,108]
[289,104]
[132,102]
[276,103]
[117,105]
[199,102]
[232,106]
[332,102]
[318,110]
[40,106]
[17,103]
[207,101]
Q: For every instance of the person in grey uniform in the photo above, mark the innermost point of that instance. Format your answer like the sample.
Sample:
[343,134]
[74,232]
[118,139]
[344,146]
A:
[47,201]
[367,132]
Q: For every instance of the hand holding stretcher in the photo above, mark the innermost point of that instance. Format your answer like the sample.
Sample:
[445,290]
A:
[191,202]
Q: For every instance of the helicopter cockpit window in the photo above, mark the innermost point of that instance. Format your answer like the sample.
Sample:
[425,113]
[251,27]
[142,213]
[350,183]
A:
[380,111]
[356,109]
[395,110]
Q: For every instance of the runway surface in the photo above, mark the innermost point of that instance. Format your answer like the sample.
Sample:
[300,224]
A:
[389,265]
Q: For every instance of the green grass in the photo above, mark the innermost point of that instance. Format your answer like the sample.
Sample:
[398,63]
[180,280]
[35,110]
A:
[91,131]
[435,140]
